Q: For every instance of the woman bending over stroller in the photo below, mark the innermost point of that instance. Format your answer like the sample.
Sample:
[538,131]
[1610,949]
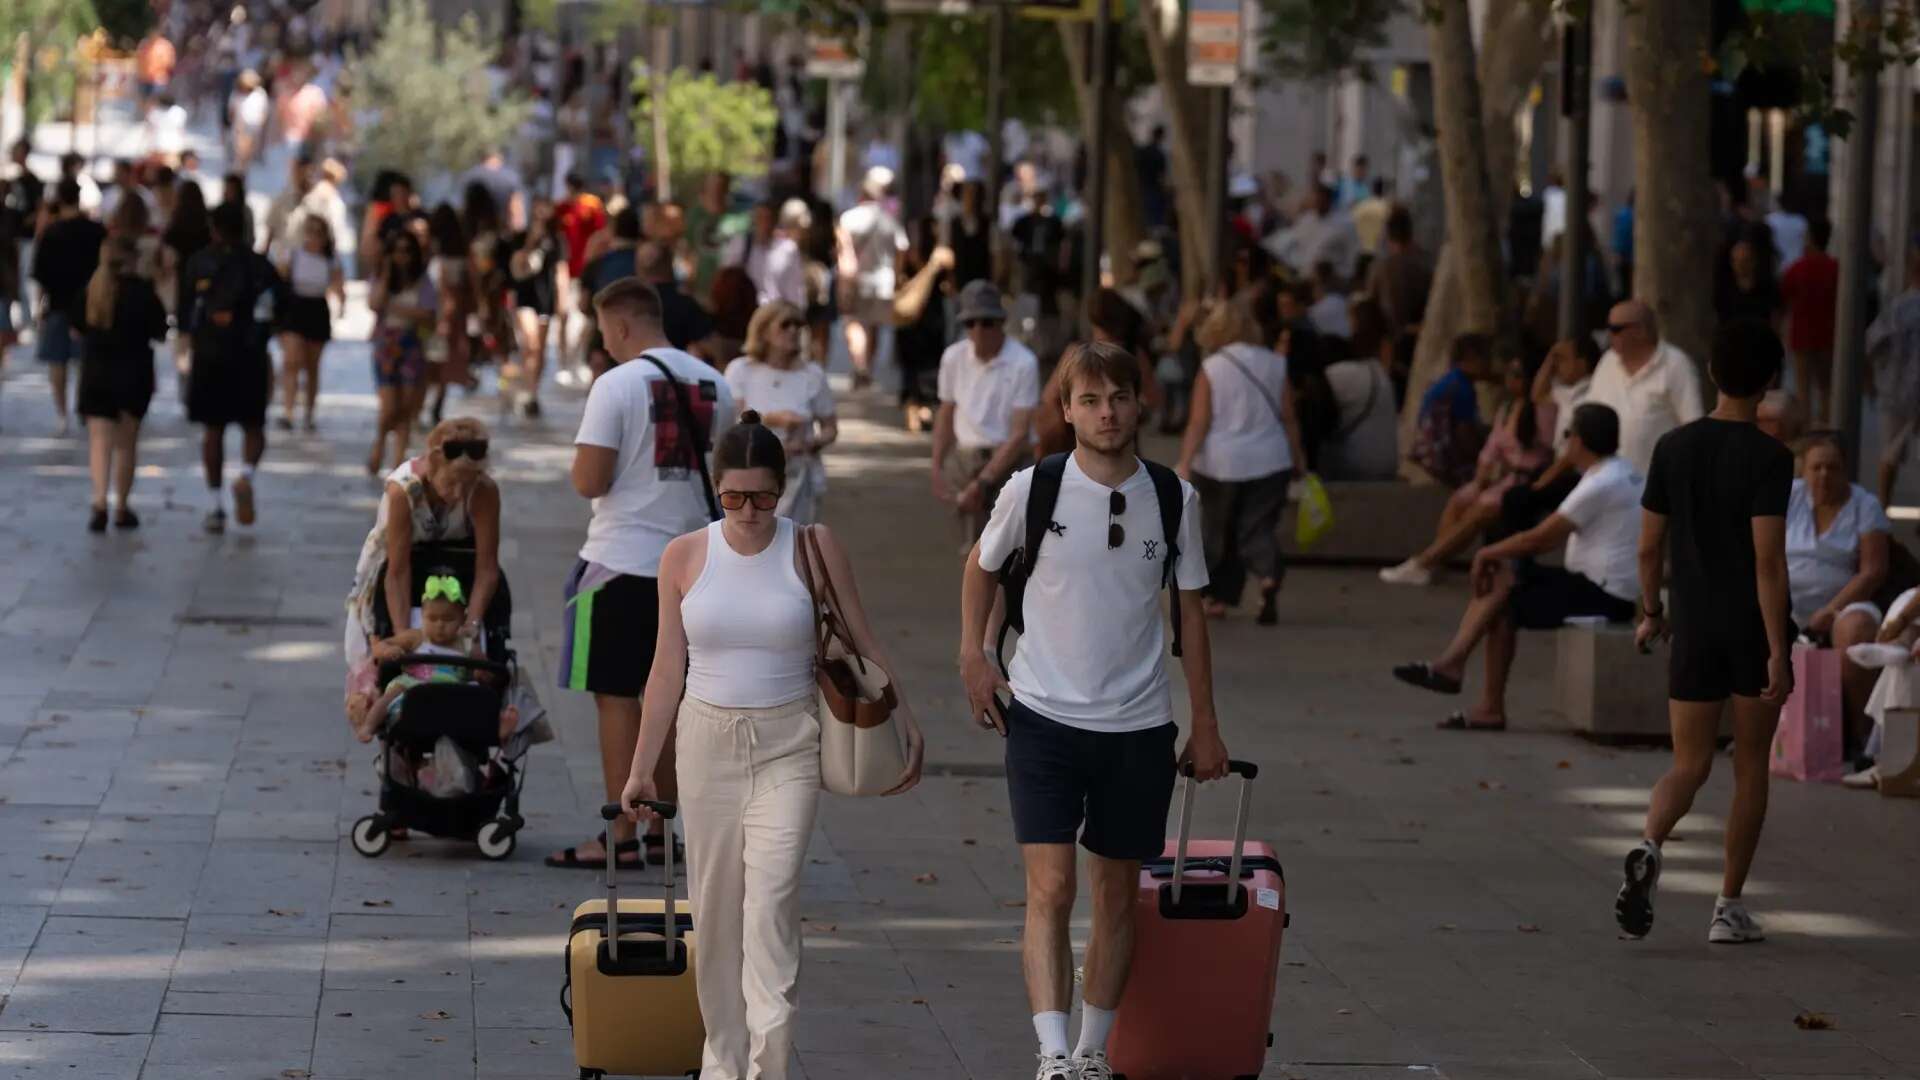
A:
[443,618]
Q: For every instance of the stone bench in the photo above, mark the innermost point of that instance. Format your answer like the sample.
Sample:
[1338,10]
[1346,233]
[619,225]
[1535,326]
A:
[1607,689]
[1375,522]
[1900,755]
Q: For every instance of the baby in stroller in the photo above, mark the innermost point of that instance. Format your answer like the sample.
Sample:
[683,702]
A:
[443,615]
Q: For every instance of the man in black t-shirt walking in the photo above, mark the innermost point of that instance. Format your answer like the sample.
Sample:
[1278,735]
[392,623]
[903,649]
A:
[1717,494]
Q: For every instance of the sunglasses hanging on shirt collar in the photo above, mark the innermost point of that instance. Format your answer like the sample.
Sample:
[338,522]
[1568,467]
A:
[1116,533]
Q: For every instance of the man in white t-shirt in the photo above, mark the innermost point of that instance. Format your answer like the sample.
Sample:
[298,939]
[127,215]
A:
[871,242]
[1090,731]
[1599,521]
[636,458]
[989,385]
[1650,383]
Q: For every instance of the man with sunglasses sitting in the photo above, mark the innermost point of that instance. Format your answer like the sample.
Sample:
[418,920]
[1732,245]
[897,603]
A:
[1090,731]
[640,455]
[1651,384]
[989,385]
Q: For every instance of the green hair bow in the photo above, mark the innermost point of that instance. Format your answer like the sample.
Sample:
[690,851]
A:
[444,587]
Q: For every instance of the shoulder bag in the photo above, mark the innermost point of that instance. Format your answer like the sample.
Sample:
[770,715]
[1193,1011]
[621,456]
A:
[697,446]
[860,752]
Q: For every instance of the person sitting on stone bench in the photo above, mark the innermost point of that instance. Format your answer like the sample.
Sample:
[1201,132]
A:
[1599,521]
[1838,540]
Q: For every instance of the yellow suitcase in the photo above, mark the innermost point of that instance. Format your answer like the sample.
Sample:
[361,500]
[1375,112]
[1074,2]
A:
[630,997]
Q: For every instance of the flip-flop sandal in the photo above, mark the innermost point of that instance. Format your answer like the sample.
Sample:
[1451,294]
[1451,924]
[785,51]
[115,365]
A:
[1458,722]
[1426,678]
[570,859]
[657,849]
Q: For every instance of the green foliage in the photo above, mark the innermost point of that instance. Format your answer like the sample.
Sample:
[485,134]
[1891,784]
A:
[54,29]
[711,126]
[125,21]
[430,92]
[1792,39]
[542,15]
[1323,39]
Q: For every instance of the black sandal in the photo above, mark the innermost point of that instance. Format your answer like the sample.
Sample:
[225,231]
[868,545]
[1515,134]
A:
[570,859]
[1458,722]
[1269,611]
[657,849]
[1426,678]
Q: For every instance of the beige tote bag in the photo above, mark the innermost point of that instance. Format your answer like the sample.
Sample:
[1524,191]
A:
[860,752]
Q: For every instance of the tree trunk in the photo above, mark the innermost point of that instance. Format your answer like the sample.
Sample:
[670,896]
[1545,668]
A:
[1124,209]
[1473,228]
[1674,209]
[1517,40]
[1187,119]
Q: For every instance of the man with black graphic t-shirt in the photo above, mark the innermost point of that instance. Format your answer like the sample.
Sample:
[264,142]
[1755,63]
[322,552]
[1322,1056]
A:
[1090,732]
[1717,494]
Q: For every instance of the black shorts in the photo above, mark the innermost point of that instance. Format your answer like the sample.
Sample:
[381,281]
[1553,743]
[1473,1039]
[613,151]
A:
[610,631]
[1715,667]
[1119,784]
[1545,597]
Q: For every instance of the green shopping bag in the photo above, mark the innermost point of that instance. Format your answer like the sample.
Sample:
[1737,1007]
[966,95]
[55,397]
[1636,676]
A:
[1316,513]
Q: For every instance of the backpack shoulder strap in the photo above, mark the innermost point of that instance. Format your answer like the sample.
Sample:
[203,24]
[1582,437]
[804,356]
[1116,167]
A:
[1043,492]
[1171,498]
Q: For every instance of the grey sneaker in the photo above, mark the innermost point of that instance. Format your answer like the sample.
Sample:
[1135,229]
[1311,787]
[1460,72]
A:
[1059,1067]
[1633,908]
[1733,926]
[215,522]
[1094,1066]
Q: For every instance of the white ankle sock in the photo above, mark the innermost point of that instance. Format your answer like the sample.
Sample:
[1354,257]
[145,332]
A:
[247,471]
[1096,1024]
[1051,1027]
[218,501]
[1727,902]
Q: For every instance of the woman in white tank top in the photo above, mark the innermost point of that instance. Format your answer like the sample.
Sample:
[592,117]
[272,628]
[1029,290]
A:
[732,684]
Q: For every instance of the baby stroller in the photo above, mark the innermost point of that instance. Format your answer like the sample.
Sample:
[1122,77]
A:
[466,713]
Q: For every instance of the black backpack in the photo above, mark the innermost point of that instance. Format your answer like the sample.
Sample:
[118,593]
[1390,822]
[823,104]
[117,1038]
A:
[1042,494]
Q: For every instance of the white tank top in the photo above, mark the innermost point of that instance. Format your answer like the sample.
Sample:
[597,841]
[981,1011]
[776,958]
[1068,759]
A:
[750,626]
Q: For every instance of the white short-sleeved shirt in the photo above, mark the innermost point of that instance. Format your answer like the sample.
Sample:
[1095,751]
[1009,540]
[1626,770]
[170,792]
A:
[655,495]
[1819,564]
[984,395]
[1604,508]
[1245,440]
[1653,401]
[767,389]
[1093,655]
[1566,398]
[877,241]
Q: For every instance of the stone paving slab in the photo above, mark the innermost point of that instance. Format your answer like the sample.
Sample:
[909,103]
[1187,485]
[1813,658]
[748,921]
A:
[175,788]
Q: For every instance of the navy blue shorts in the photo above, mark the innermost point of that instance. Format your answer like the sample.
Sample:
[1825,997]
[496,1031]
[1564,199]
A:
[1118,784]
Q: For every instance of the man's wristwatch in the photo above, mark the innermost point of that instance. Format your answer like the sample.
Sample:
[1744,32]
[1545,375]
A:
[1653,613]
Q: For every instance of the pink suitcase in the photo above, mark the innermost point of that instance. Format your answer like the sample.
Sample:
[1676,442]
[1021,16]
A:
[1206,955]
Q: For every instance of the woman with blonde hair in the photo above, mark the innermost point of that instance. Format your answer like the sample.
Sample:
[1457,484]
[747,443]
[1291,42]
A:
[793,400]
[124,318]
[1241,447]
[443,495]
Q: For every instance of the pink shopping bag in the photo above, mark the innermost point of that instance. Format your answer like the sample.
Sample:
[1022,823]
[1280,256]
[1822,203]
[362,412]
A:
[1808,743]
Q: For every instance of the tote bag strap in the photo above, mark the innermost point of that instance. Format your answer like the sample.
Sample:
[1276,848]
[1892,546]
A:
[833,624]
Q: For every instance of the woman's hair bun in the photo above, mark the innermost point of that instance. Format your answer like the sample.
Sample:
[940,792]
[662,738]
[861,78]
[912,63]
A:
[749,417]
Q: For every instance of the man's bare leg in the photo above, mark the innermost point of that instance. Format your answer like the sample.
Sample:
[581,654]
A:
[1754,722]
[1046,949]
[1114,883]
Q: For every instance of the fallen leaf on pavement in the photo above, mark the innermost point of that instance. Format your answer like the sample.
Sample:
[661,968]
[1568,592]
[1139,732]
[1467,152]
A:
[1013,903]
[282,914]
[1343,1012]
[436,1014]
[376,903]
[970,842]
[1563,764]
[927,878]
[1813,1021]
[436,1038]
[1528,928]
[343,1015]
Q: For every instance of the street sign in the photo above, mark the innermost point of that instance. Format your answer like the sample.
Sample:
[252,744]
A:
[831,57]
[1213,42]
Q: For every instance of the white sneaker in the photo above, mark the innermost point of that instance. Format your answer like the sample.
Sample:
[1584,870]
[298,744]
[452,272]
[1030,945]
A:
[1407,573]
[1733,926]
[1093,1066]
[1866,779]
[1059,1067]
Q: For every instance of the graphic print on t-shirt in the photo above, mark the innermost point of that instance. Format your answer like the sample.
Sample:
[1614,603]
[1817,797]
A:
[670,444]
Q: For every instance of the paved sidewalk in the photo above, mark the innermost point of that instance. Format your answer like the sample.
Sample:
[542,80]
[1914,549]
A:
[177,899]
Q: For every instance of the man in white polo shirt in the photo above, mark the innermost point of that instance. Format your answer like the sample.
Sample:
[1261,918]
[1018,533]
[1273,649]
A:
[1650,383]
[1090,734]
[989,384]
[1599,521]
[640,455]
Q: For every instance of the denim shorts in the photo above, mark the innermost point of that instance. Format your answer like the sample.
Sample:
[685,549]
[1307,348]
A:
[56,344]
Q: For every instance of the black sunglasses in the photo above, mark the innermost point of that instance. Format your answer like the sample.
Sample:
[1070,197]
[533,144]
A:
[455,449]
[762,500]
[971,323]
[1116,506]
[790,324]
[1618,327]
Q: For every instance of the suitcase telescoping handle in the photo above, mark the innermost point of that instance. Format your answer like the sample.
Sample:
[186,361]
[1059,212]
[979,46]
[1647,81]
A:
[609,814]
[1246,770]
